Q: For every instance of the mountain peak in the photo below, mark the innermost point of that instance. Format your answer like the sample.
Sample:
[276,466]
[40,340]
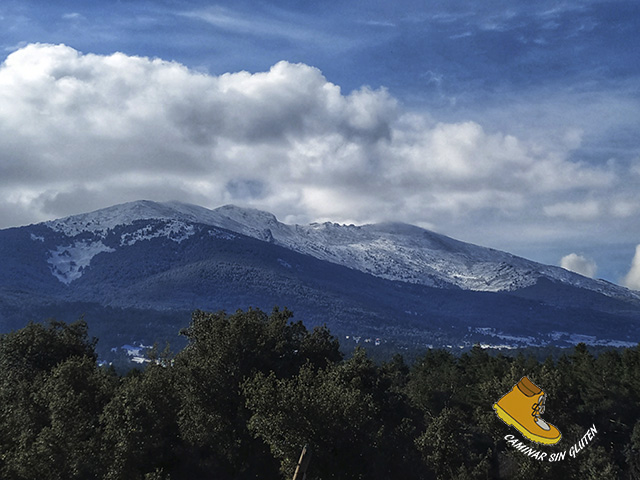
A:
[248,221]
[110,217]
[245,215]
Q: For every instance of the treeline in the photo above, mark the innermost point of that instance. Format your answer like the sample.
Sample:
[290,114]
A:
[251,389]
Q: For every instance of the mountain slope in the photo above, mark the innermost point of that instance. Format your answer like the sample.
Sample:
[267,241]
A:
[393,251]
[142,267]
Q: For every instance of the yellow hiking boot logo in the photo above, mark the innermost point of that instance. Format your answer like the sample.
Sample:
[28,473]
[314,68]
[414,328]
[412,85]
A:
[521,408]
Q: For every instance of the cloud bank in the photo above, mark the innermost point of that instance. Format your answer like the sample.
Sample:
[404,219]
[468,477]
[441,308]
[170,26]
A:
[579,264]
[632,279]
[81,131]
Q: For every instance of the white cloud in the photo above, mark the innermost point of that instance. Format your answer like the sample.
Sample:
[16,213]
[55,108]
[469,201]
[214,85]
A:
[264,24]
[579,264]
[81,131]
[574,210]
[624,208]
[632,279]
[72,16]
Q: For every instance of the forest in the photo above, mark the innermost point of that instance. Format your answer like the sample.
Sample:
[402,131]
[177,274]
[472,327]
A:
[251,389]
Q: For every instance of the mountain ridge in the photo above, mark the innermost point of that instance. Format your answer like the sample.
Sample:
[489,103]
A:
[390,250]
[139,269]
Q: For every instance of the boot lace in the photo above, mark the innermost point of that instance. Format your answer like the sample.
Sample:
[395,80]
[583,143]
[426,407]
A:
[538,409]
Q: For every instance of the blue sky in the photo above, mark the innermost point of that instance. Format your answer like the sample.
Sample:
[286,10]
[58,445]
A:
[507,124]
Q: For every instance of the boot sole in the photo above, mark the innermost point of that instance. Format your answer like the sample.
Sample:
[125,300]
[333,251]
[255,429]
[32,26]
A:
[509,420]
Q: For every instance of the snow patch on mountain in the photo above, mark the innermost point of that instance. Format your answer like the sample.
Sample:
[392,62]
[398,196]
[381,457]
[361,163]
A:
[250,222]
[284,263]
[564,339]
[69,262]
[397,251]
[221,234]
[102,221]
[173,230]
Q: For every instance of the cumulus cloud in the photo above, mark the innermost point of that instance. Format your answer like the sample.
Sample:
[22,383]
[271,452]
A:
[632,279]
[81,131]
[579,264]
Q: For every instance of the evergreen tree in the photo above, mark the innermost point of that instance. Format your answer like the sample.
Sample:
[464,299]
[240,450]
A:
[141,434]
[51,392]
[223,351]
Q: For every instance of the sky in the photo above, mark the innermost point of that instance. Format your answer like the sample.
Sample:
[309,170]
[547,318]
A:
[509,124]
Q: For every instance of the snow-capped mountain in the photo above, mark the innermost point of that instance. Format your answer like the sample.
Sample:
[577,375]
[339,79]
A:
[137,270]
[393,251]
